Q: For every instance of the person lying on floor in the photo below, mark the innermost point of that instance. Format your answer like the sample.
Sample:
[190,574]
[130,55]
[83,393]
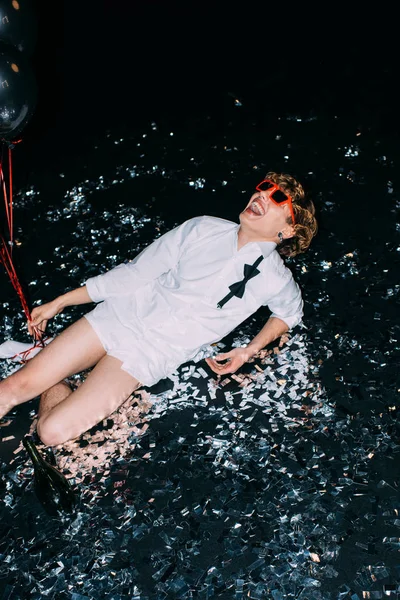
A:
[188,289]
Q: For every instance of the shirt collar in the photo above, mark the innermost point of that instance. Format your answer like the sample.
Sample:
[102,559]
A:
[265,247]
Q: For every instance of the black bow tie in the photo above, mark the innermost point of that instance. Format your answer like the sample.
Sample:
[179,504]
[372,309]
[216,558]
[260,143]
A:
[237,289]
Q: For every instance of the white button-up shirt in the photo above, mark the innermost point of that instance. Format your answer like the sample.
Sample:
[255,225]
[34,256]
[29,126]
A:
[169,293]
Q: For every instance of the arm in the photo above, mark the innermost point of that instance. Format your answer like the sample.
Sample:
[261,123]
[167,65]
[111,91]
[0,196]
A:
[272,330]
[73,298]
[159,257]
[41,314]
[287,311]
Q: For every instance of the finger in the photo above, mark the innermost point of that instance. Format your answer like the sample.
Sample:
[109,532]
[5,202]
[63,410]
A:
[222,371]
[38,333]
[213,366]
[211,363]
[234,365]
[225,361]
[222,356]
[228,370]
[38,320]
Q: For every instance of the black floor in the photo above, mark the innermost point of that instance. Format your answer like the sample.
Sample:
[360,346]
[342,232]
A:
[283,485]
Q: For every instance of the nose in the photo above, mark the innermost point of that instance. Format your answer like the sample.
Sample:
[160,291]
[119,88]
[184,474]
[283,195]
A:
[265,196]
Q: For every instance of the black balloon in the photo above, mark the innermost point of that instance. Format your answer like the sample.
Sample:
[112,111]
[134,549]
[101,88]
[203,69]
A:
[18,24]
[18,93]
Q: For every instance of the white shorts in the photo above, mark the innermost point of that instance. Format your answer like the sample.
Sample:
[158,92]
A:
[144,355]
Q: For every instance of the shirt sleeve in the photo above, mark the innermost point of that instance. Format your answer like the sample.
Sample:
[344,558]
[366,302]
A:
[157,258]
[288,304]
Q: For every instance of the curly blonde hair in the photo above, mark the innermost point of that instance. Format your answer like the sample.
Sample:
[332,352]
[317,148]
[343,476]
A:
[306,225]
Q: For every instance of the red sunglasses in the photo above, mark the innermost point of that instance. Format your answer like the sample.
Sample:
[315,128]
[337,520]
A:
[278,196]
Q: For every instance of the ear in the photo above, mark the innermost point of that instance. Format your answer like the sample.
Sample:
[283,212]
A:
[288,232]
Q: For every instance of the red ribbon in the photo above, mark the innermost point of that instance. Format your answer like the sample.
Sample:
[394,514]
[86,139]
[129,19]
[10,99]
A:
[7,247]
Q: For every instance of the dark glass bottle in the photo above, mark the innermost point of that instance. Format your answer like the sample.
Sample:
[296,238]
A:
[51,487]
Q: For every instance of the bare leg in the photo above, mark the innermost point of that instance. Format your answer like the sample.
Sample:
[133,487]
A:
[77,348]
[53,396]
[105,389]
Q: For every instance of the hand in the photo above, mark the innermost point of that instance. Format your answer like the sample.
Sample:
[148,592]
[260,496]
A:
[40,315]
[235,359]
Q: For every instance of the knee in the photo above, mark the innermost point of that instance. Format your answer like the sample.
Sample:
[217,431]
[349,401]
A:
[15,386]
[51,431]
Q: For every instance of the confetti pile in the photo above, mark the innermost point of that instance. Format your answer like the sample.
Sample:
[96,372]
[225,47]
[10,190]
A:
[280,481]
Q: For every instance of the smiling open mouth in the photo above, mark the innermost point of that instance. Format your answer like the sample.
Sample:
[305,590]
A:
[257,208]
